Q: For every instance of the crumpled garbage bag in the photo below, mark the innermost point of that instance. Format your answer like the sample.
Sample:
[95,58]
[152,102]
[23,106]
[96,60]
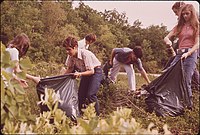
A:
[68,90]
[168,94]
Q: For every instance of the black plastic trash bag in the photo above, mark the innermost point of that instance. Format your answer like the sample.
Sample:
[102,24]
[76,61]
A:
[168,94]
[68,90]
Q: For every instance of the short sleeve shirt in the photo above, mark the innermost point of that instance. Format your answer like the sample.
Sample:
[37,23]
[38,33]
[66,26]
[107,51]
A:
[82,44]
[186,39]
[118,51]
[14,55]
[86,60]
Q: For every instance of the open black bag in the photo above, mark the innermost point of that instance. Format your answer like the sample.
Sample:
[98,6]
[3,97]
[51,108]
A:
[68,90]
[168,94]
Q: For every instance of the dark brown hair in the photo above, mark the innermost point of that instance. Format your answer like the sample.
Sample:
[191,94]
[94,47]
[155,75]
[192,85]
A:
[90,37]
[70,42]
[138,51]
[178,5]
[21,42]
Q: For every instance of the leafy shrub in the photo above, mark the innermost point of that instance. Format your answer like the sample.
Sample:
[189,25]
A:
[13,99]
[55,121]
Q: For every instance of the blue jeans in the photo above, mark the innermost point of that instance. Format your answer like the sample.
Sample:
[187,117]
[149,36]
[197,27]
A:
[89,86]
[189,65]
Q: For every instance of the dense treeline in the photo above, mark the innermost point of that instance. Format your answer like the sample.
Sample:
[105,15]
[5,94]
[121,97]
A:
[48,23]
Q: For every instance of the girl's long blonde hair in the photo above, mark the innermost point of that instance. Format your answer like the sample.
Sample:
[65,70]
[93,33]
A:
[194,22]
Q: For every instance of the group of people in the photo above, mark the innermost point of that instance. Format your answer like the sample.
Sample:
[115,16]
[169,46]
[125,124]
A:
[86,66]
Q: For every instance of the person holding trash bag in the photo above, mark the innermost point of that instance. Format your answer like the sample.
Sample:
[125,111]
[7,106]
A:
[17,48]
[83,63]
[82,44]
[187,30]
[170,50]
[195,78]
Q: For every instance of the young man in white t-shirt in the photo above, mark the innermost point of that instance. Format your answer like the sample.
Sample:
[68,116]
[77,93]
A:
[82,44]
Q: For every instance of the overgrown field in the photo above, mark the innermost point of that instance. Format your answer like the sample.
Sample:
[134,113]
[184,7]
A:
[116,95]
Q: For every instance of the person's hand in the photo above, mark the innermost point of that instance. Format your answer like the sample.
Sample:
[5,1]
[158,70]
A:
[62,71]
[36,79]
[110,63]
[170,51]
[169,43]
[77,74]
[185,55]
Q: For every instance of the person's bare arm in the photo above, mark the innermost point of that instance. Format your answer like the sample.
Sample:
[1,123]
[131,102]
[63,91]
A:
[112,57]
[86,73]
[30,77]
[144,75]
[66,70]
[168,42]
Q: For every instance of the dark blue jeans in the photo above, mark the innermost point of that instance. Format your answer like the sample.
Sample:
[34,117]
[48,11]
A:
[89,86]
[189,65]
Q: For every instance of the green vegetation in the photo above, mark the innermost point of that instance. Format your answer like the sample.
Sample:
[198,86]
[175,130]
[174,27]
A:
[47,24]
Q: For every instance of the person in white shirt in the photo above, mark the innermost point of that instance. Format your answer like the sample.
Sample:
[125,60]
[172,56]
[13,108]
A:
[85,43]
[83,63]
[17,48]
[82,44]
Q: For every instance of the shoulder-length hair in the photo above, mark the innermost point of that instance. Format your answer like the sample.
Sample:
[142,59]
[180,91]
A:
[21,42]
[193,21]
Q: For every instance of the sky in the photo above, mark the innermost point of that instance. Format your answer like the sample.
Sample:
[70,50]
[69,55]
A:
[147,12]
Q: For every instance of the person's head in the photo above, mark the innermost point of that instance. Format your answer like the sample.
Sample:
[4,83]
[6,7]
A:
[21,42]
[90,38]
[188,15]
[71,45]
[137,51]
[177,7]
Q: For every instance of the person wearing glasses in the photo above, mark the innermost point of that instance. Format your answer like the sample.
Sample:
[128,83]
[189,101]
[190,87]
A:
[83,63]
[187,30]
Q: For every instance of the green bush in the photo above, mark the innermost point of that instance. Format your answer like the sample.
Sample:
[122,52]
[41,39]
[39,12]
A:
[55,121]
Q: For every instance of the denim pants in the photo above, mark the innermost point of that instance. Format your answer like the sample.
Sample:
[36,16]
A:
[189,65]
[129,70]
[89,86]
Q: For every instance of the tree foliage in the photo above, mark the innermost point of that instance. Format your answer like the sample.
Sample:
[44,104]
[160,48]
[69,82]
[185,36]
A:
[47,23]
